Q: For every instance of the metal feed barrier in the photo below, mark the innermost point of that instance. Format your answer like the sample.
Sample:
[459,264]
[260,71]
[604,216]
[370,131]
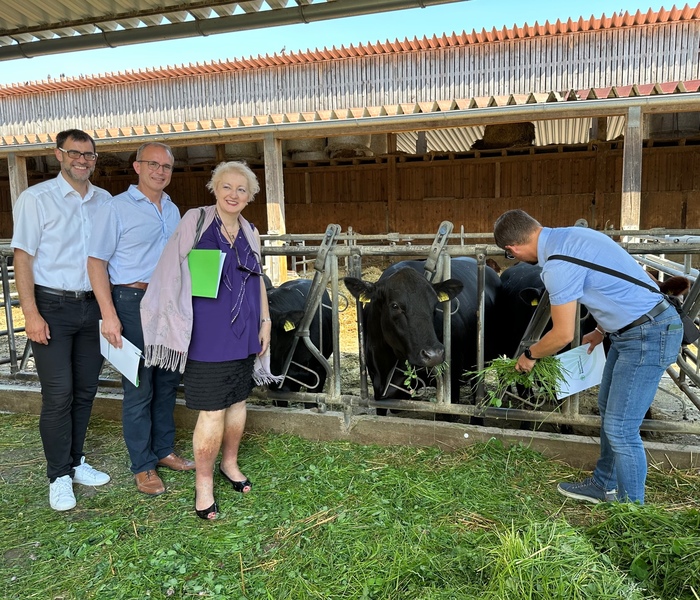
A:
[332,247]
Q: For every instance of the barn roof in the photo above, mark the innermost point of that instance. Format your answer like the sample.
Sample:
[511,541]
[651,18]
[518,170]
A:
[34,28]
[570,27]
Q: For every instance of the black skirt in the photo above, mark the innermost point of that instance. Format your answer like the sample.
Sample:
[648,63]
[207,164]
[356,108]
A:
[217,385]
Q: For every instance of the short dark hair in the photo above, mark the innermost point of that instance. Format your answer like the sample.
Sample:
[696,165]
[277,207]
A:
[514,228]
[77,134]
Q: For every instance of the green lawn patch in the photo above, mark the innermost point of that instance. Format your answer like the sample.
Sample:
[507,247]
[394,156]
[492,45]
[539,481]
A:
[340,521]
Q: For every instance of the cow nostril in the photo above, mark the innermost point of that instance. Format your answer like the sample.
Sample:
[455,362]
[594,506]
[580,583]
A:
[432,356]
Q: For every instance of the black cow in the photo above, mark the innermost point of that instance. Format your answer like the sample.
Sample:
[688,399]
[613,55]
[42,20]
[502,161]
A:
[403,322]
[286,311]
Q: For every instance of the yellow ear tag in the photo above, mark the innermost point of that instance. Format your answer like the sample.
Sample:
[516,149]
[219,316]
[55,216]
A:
[534,302]
[443,297]
[288,326]
[364,299]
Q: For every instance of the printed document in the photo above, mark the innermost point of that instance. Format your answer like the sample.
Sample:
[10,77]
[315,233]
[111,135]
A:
[583,370]
[125,359]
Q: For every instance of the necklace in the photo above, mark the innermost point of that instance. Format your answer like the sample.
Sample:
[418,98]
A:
[231,237]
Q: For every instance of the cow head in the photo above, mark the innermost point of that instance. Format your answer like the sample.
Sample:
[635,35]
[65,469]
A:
[399,312]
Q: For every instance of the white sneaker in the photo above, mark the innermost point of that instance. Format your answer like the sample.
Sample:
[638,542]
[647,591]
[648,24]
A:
[86,475]
[61,493]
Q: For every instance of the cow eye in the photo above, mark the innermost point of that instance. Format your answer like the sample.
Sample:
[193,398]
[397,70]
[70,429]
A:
[395,306]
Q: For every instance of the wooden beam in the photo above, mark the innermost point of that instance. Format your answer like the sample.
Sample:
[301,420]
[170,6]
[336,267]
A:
[630,210]
[599,129]
[274,190]
[391,193]
[422,143]
[18,176]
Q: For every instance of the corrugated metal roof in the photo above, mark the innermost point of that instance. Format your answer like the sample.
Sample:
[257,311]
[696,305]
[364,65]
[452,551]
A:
[615,21]
[57,26]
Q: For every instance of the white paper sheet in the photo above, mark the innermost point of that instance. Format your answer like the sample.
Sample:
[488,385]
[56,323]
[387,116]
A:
[125,359]
[584,370]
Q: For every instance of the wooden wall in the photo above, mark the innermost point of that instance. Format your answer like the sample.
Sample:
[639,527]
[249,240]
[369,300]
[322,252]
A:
[412,194]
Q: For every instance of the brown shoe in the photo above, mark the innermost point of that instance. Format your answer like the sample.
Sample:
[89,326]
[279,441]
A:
[176,463]
[149,483]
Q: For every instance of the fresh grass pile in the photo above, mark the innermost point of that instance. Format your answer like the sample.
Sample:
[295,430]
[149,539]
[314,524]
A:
[659,548]
[544,379]
[552,560]
[324,520]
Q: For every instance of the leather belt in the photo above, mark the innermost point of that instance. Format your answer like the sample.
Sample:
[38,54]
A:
[654,312]
[140,285]
[77,294]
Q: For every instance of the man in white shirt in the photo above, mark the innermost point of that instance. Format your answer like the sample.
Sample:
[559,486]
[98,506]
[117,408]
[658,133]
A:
[129,236]
[52,225]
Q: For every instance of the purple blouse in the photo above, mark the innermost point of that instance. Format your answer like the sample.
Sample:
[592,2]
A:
[226,327]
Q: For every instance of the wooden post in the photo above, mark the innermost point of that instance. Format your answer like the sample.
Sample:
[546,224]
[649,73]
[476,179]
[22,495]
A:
[391,143]
[274,190]
[422,143]
[630,212]
[220,150]
[18,176]
[599,129]
[391,193]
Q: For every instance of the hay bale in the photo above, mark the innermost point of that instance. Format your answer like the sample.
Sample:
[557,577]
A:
[507,135]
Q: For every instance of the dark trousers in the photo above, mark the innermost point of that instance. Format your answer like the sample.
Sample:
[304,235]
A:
[69,369]
[147,410]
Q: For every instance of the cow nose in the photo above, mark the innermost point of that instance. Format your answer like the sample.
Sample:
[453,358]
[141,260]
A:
[432,356]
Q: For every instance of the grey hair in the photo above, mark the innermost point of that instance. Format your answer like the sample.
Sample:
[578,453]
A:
[240,168]
[165,147]
[514,227]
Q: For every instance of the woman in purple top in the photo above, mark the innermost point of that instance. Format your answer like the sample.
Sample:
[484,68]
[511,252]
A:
[227,333]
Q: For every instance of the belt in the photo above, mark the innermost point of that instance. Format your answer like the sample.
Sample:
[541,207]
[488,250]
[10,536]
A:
[654,312]
[141,285]
[77,294]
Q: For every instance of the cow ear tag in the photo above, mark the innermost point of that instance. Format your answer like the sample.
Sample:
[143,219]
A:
[365,299]
[534,302]
[288,326]
[443,297]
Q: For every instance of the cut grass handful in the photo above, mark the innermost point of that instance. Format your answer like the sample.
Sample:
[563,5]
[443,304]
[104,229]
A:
[545,379]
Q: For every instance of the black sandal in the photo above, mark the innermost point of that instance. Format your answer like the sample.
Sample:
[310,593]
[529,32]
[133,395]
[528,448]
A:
[207,514]
[239,486]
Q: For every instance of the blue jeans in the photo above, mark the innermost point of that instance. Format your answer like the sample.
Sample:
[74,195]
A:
[636,361]
[69,369]
[147,410]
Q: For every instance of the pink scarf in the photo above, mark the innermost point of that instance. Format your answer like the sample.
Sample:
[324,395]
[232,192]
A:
[166,307]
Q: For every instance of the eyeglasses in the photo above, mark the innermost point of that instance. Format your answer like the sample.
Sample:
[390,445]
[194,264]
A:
[75,154]
[244,268]
[508,255]
[154,166]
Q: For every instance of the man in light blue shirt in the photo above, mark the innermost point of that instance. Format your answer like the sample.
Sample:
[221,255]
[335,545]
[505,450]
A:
[128,237]
[645,337]
[52,224]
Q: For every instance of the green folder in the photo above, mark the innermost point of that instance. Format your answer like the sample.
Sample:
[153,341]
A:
[205,270]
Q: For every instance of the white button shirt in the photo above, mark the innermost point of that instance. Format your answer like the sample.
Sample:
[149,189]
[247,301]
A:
[53,223]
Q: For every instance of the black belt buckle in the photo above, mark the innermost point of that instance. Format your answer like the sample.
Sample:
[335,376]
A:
[76,294]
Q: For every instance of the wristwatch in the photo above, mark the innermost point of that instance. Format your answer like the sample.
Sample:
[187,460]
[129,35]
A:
[528,354]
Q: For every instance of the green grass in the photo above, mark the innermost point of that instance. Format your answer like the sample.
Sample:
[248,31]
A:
[338,520]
